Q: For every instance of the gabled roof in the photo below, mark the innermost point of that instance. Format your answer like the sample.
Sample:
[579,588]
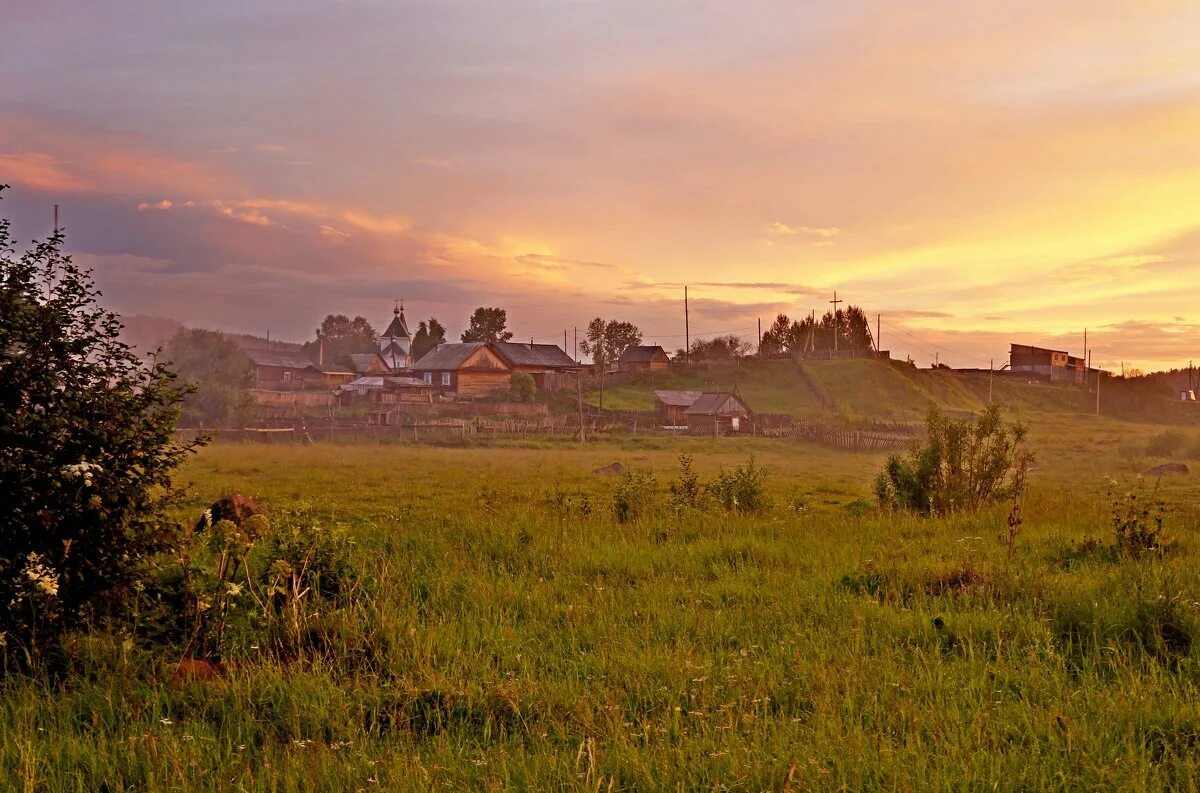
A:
[550,356]
[448,356]
[362,360]
[280,358]
[716,403]
[644,354]
[677,398]
[398,329]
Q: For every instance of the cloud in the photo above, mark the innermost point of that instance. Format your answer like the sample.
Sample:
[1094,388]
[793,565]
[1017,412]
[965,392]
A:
[270,148]
[784,230]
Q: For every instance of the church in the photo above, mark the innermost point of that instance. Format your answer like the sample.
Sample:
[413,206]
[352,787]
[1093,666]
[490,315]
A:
[395,343]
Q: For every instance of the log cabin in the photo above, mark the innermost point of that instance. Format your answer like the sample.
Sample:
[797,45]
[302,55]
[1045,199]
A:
[469,369]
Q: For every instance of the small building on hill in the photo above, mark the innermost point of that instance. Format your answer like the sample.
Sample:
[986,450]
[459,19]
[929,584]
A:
[284,370]
[719,413]
[1057,366]
[547,364]
[643,359]
[670,406]
[469,369]
[334,376]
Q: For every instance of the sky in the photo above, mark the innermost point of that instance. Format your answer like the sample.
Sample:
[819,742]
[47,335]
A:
[974,173]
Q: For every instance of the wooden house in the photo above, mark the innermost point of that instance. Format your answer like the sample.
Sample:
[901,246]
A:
[719,413]
[1057,366]
[670,406]
[368,364]
[469,369]
[643,359]
[385,390]
[284,370]
[548,364]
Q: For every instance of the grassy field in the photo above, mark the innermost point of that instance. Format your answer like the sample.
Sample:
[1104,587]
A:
[503,636]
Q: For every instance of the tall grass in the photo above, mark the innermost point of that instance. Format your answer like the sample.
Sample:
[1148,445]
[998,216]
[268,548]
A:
[505,642]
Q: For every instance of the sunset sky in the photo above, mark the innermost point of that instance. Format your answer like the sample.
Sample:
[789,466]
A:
[977,173]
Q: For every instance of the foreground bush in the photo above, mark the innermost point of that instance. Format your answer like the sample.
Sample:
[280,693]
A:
[961,466]
[86,451]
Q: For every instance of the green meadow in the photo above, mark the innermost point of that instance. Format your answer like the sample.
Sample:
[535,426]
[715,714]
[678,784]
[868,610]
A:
[504,631]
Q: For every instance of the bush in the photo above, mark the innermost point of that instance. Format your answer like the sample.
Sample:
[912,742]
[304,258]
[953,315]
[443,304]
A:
[1165,443]
[634,494]
[686,492]
[521,387]
[1137,521]
[87,450]
[741,490]
[961,466]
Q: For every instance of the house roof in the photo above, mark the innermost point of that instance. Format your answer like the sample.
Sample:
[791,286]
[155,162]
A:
[550,356]
[398,329]
[448,356]
[644,354]
[361,360]
[378,382]
[677,398]
[281,358]
[716,403]
[408,382]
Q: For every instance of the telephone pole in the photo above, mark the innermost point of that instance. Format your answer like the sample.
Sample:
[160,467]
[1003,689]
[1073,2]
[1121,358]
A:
[991,371]
[837,330]
[687,331]
[878,333]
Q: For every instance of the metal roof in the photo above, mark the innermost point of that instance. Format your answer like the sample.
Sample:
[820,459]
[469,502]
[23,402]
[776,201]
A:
[677,398]
[718,403]
[550,356]
[362,360]
[280,358]
[643,354]
[448,356]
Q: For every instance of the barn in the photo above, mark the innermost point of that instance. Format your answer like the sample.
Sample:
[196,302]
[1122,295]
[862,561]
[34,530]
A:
[670,406]
[643,359]
[469,369]
[719,413]
[549,366]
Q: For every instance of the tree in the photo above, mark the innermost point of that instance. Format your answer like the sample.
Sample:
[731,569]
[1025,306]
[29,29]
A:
[87,450]
[428,337]
[720,348]
[340,336]
[487,324]
[221,374]
[605,341]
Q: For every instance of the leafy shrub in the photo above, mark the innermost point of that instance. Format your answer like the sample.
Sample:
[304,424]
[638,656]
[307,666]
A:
[1137,521]
[634,494]
[686,492]
[741,490]
[87,451]
[1165,443]
[962,465]
[521,387]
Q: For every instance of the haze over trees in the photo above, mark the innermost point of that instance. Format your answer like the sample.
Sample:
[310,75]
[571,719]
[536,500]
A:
[221,376]
[487,324]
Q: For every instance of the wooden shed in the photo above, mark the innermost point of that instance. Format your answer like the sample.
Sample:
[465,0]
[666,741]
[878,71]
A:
[643,359]
[545,363]
[670,406]
[719,413]
[279,369]
[469,369]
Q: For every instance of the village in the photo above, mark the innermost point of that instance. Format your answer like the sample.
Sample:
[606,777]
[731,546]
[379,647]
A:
[496,386]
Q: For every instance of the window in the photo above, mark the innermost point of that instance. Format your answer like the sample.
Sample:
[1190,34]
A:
[445,378]
[287,376]
[428,377]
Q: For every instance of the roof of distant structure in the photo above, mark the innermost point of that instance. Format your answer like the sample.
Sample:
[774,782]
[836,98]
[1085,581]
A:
[641,354]
[548,355]
[398,329]
[281,358]
[714,403]
[677,398]
[448,356]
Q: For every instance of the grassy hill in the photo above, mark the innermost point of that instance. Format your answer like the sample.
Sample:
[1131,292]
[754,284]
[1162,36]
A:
[890,390]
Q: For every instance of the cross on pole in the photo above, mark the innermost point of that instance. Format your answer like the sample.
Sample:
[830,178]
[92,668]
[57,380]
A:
[836,328]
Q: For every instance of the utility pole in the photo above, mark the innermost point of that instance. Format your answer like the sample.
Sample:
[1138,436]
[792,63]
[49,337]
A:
[991,371]
[760,335]
[836,326]
[878,333]
[1097,392]
[564,339]
[579,391]
[576,345]
[687,331]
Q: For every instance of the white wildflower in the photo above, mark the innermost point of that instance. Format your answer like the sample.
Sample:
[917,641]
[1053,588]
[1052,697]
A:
[41,575]
[233,588]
